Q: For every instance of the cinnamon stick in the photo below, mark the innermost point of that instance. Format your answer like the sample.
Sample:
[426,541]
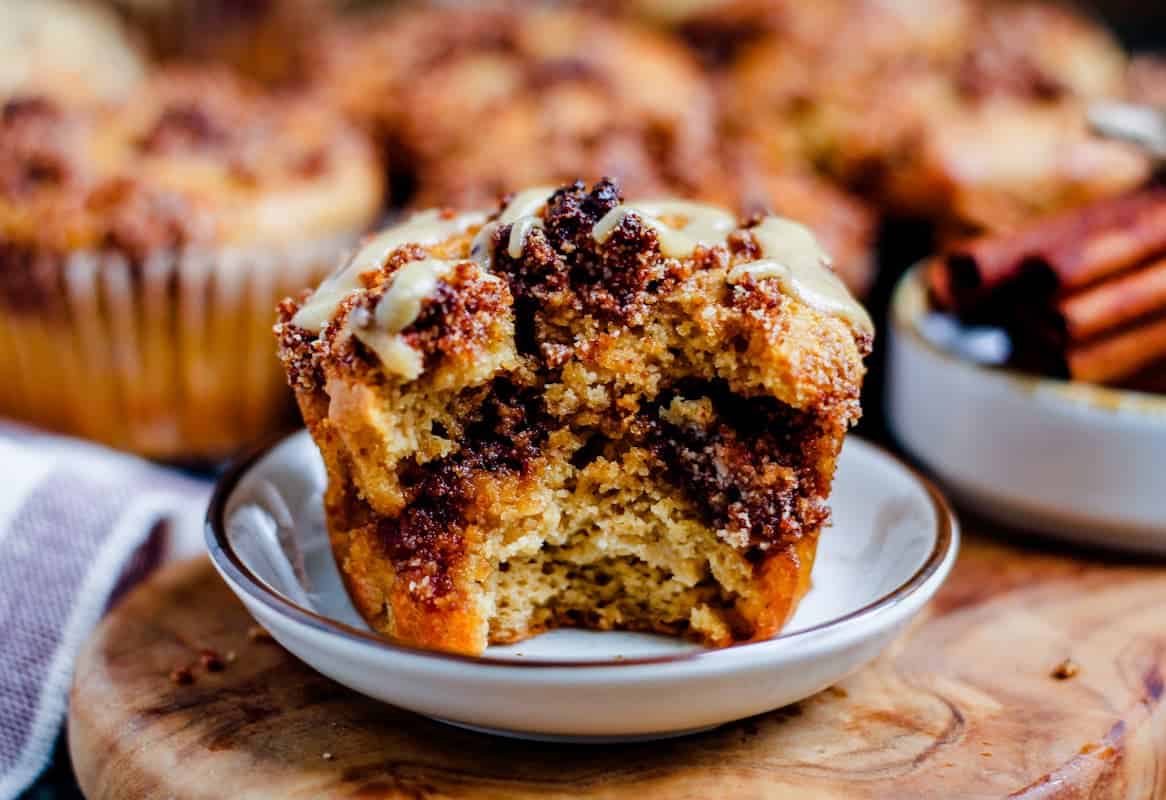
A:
[1119,356]
[1151,379]
[1076,248]
[1114,303]
[939,281]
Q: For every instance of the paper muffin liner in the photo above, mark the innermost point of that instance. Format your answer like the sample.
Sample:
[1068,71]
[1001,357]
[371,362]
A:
[171,358]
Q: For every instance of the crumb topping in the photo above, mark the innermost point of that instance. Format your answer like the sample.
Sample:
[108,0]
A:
[585,248]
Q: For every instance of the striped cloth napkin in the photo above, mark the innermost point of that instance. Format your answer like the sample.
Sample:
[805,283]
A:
[79,524]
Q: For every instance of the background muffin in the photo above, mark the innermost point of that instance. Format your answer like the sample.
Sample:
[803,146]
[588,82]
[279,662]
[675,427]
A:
[142,247]
[66,48]
[467,97]
[472,103]
[980,135]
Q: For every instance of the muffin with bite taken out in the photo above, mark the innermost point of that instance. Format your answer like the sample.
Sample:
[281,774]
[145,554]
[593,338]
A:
[578,411]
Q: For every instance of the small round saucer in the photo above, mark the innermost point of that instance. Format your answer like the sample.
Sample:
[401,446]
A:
[891,546]
[1069,460]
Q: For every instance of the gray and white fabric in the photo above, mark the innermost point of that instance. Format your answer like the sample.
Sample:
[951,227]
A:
[79,524]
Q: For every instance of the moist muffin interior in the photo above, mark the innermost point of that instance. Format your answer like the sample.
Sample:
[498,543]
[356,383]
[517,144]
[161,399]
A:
[582,528]
[596,434]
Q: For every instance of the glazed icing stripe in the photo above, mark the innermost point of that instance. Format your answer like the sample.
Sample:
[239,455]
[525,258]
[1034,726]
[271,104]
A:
[412,283]
[424,228]
[802,268]
[791,253]
[519,212]
[703,224]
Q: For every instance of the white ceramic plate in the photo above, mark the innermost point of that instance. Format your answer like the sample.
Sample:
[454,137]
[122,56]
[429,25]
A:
[892,544]
[1079,462]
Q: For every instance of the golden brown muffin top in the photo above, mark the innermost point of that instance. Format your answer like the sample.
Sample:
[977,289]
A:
[67,49]
[583,277]
[469,94]
[196,158]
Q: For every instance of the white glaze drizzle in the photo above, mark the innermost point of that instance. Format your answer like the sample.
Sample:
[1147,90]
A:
[424,228]
[802,268]
[412,283]
[519,212]
[399,308]
[518,233]
[703,224]
[395,354]
[416,281]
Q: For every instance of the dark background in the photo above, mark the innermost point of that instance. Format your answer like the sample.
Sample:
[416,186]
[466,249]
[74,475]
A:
[1140,23]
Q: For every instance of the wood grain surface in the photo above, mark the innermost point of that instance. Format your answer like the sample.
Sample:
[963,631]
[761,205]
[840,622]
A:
[1032,675]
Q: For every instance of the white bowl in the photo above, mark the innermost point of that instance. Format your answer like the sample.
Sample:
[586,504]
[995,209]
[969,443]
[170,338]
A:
[1074,461]
[892,544]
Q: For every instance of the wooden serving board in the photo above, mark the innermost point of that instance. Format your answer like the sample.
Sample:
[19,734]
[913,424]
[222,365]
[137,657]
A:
[978,700]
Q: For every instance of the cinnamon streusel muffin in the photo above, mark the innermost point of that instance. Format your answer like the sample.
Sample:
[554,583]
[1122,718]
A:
[475,101]
[68,49]
[578,412]
[142,245]
[981,135]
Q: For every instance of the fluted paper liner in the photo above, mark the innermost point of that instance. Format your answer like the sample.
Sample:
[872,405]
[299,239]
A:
[171,358]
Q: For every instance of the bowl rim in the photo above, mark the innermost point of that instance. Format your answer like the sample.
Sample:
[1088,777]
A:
[909,302]
[942,551]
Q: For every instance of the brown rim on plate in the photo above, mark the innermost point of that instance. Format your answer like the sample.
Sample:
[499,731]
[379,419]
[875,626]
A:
[225,557]
[909,302]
